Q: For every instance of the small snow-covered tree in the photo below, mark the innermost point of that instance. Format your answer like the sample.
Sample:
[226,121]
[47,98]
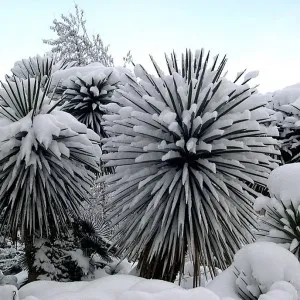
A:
[73,42]
[44,155]
[184,145]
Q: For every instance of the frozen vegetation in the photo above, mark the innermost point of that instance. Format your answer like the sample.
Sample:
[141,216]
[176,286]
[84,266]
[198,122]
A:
[121,185]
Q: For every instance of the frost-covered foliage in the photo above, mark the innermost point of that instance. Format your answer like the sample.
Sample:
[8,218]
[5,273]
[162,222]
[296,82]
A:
[184,146]
[286,104]
[10,253]
[87,95]
[44,153]
[261,270]
[73,42]
[38,66]
[78,253]
[281,221]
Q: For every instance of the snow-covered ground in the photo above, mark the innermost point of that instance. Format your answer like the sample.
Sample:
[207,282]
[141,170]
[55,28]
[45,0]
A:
[262,270]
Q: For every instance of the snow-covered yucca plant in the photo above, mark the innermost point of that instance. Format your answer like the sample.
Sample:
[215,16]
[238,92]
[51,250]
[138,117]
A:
[44,155]
[263,271]
[86,96]
[281,224]
[185,145]
[38,66]
[286,105]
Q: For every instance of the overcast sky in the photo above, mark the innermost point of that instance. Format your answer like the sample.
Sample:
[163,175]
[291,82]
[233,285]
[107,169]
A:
[259,35]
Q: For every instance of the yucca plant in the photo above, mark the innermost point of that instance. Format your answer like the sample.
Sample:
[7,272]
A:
[184,146]
[47,162]
[38,66]
[281,224]
[247,286]
[86,97]
[286,106]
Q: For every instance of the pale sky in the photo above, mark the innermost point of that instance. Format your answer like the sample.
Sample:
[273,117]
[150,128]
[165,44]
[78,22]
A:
[259,35]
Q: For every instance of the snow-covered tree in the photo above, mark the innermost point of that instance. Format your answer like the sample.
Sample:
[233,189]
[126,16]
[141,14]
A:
[184,145]
[73,42]
[44,155]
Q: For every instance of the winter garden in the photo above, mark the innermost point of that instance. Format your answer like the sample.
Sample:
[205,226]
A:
[120,184]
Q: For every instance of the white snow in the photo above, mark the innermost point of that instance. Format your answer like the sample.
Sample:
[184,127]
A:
[283,183]
[261,202]
[8,292]
[116,287]
[251,75]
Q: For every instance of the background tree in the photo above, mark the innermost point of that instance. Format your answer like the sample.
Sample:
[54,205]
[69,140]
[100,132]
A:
[73,42]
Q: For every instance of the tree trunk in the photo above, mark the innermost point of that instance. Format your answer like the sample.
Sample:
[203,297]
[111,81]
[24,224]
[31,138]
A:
[154,269]
[30,256]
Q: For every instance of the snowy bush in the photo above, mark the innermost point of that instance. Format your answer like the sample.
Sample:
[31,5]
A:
[286,104]
[44,155]
[281,221]
[86,97]
[258,270]
[185,145]
[78,253]
[10,253]
[38,66]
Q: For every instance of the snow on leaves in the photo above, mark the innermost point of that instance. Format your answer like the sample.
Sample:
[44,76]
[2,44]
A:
[184,151]
[43,155]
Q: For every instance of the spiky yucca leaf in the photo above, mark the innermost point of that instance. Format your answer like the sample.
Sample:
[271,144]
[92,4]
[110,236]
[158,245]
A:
[38,66]
[86,97]
[44,153]
[183,147]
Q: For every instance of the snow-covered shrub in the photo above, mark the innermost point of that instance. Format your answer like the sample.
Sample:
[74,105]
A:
[76,254]
[38,66]
[44,155]
[10,253]
[286,105]
[281,221]
[86,97]
[258,269]
[184,146]
[85,93]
